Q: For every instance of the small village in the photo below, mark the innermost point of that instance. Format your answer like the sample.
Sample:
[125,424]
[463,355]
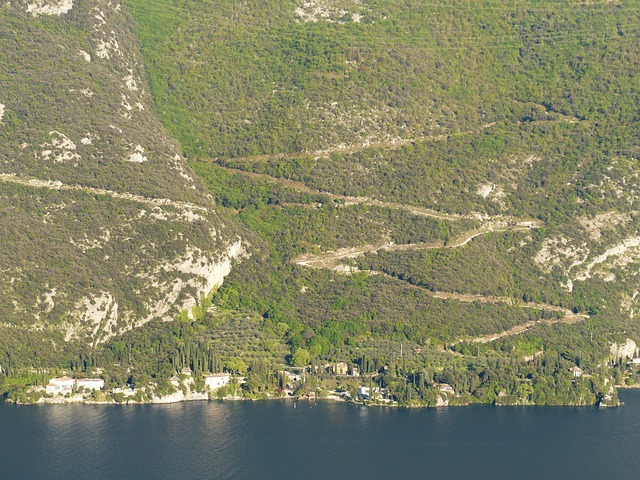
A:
[332,381]
[336,381]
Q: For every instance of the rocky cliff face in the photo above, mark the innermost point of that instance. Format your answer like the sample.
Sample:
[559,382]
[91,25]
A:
[103,226]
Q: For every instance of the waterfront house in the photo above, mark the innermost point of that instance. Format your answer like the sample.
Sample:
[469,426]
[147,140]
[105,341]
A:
[175,381]
[445,387]
[60,385]
[365,393]
[216,380]
[90,383]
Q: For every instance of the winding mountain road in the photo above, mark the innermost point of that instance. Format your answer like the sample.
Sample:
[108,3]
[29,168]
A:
[334,260]
[187,209]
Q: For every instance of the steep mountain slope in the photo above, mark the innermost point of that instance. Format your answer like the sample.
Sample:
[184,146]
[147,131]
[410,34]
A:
[104,227]
[410,140]
[282,76]
[488,113]
[432,191]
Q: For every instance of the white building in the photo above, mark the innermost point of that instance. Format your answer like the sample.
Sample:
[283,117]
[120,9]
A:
[445,387]
[91,383]
[364,393]
[216,380]
[64,385]
[60,385]
[577,371]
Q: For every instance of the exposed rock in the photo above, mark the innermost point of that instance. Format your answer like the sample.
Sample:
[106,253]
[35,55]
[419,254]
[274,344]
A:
[605,221]
[84,55]
[102,234]
[626,350]
[330,11]
[49,7]
[627,247]
[137,156]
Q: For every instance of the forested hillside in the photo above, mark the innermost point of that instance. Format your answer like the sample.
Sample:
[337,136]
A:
[103,225]
[444,149]
[458,180]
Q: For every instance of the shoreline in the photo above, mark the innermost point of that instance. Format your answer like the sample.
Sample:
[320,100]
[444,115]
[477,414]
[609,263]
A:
[179,397]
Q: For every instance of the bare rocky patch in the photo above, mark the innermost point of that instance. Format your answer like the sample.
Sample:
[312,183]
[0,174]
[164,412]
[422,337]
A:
[60,149]
[49,7]
[604,221]
[137,156]
[193,270]
[94,312]
[492,192]
[107,46]
[84,55]
[485,190]
[85,244]
[131,82]
[626,251]
[562,252]
[628,349]
[629,304]
[330,11]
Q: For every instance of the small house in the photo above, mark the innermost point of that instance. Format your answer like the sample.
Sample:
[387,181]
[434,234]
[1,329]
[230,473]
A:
[576,371]
[365,393]
[445,387]
[341,368]
[91,383]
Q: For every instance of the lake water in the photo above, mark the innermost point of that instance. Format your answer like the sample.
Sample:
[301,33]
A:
[273,439]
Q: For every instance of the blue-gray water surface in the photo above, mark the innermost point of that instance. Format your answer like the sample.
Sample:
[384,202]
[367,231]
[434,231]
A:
[254,440]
